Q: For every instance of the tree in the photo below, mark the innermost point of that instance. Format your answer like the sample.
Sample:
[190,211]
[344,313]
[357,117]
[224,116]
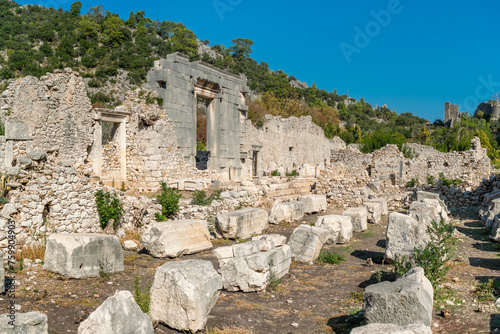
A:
[88,28]
[112,32]
[184,40]
[75,8]
[242,47]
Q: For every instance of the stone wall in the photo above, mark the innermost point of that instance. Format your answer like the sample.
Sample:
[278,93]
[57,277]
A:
[285,144]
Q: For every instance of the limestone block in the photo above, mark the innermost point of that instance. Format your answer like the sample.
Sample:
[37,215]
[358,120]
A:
[403,234]
[427,210]
[17,131]
[2,274]
[313,203]
[83,255]
[184,293]
[175,238]
[489,215]
[276,239]
[8,210]
[495,230]
[374,211]
[306,242]
[286,212]
[242,223]
[406,301]
[252,272]
[130,245]
[359,218]
[383,202]
[37,155]
[339,226]
[421,195]
[118,314]
[25,323]
[377,328]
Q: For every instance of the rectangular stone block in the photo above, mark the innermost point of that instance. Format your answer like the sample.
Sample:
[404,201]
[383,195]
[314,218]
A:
[313,203]
[374,211]
[175,238]
[359,218]
[25,323]
[242,223]
[339,226]
[306,242]
[17,131]
[83,255]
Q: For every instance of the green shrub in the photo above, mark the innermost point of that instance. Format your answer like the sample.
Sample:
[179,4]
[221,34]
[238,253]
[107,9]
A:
[142,297]
[200,197]
[109,207]
[330,257]
[275,173]
[273,281]
[412,183]
[434,257]
[201,146]
[293,173]
[169,200]
[448,182]
[407,151]
[430,179]
[489,290]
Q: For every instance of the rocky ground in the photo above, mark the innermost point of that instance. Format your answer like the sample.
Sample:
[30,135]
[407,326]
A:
[318,298]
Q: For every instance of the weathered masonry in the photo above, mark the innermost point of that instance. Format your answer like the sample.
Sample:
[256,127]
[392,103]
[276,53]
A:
[180,82]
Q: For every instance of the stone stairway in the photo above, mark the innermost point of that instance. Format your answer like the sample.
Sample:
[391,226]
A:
[298,186]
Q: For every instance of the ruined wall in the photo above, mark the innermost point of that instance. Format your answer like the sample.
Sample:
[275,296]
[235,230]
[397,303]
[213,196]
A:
[178,82]
[285,144]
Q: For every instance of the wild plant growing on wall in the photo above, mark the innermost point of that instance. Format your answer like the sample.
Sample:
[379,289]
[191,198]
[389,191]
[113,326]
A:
[109,207]
[169,200]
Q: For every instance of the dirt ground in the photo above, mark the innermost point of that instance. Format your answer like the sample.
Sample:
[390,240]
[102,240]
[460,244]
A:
[318,298]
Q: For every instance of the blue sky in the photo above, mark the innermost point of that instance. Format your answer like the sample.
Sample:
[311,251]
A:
[412,55]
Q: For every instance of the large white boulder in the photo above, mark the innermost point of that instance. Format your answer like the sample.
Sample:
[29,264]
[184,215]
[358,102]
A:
[118,314]
[359,218]
[493,210]
[306,242]
[313,203]
[184,293]
[374,211]
[495,230]
[286,212]
[383,203]
[422,195]
[242,223]
[428,210]
[406,301]
[175,238]
[25,323]
[250,266]
[391,329]
[82,255]
[403,234]
[339,226]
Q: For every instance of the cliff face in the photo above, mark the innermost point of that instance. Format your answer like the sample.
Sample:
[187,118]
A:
[488,110]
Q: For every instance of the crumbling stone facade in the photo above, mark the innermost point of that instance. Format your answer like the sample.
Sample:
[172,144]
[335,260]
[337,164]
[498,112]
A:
[451,114]
[179,82]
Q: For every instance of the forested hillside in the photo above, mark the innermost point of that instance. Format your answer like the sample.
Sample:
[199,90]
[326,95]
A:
[102,46]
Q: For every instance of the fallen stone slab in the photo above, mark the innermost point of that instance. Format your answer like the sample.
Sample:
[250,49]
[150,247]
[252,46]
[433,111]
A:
[428,210]
[359,218]
[404,302]
[339,226]
[275,239]
[25,323]
[383,203]
[422,195]
[242,223]
[251,266]
[306,242]
[374,211]
[391,329]
[286,212]
[495,230]
[403,234]
[313,203]
[82,255]
[488,217]
[184,293]
[118,314]
[177,237]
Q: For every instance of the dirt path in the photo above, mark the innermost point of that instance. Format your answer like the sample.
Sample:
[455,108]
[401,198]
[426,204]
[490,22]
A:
[319,298]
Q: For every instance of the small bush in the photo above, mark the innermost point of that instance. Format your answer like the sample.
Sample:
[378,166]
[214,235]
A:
[430,179]
[413,183]
[275,173]
[200,197]
[293,173]
[273,281]
[109,208]
[407,151]
[434,257]
[169,200]
[330,257]
[142,297]
[201,146]
[489,290]
[448,182]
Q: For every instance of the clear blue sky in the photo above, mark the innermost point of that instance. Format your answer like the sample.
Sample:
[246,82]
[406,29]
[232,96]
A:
[416,56]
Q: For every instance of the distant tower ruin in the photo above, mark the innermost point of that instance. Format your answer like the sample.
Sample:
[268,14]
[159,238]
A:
[451,114]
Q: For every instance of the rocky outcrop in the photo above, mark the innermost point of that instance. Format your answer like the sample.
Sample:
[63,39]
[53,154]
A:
[83,255]
[406,301]
[118,314]
[184,293]
[177,237]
